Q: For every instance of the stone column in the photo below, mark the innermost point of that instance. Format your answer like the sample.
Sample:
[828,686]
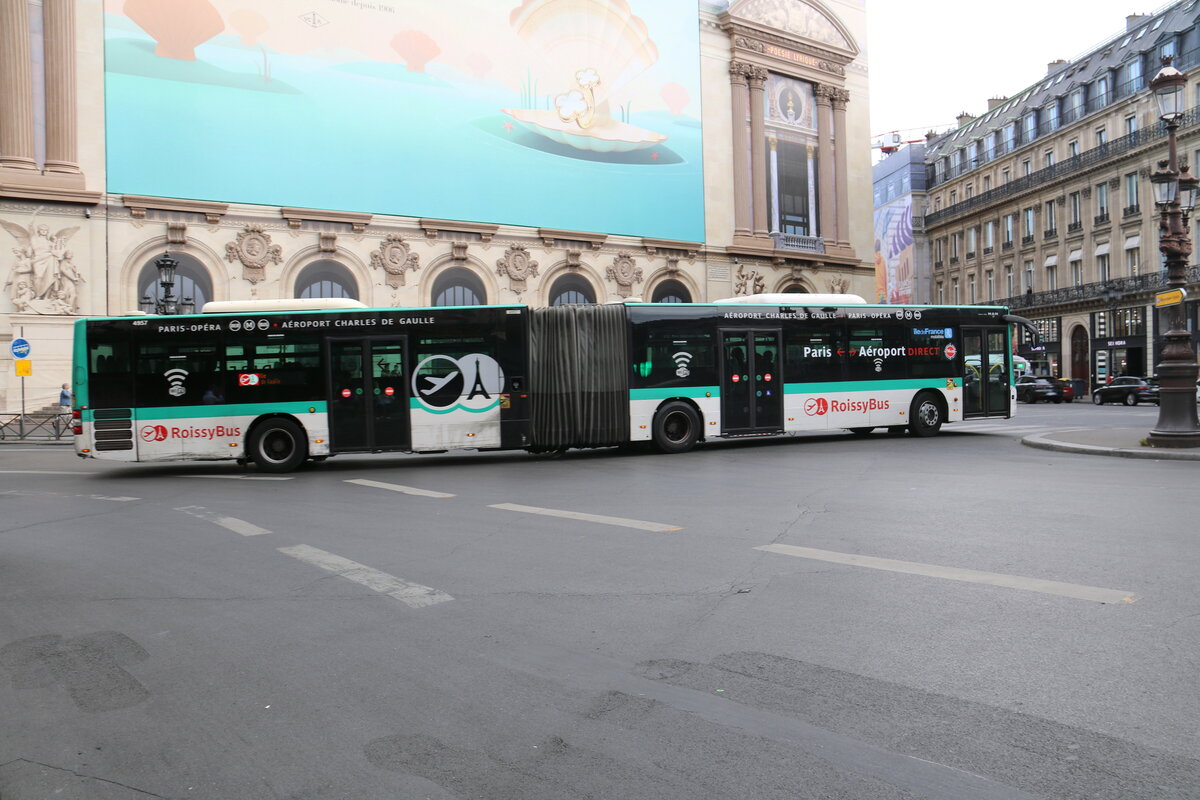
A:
[758,150]
[741,167]
[16,88]
[842,187]
[814,225]
[827,213]
[62,154]
[776,220]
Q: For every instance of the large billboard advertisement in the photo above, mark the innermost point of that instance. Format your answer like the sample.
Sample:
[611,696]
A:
[572,114]
[894,251]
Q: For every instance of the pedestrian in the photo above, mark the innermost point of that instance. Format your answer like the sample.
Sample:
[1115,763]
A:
[64,398]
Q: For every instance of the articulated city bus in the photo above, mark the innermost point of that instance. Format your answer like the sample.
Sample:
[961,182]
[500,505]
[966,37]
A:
[279,382]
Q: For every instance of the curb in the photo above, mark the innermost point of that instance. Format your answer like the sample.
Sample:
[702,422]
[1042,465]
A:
[1043,442]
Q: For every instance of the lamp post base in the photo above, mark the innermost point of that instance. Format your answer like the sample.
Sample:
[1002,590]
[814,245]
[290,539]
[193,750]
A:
[1177,421]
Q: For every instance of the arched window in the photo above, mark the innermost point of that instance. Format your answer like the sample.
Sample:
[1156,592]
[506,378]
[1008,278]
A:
[571,290]
[326,279]
[795,288]
[459,287]
[671,292]
[192,281]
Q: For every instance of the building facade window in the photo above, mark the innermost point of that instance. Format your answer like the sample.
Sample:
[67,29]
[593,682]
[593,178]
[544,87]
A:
[1051,277]
[1030,223]
[1051,221]
[1102,268]
[1131,125]
[1132,203]
[1008,281]
[1028,276]
[571,290]
[1074,211]
[459,287]
[326,279]
[1101,194]
[1132,261]
[671,291]
[991,285]
[1077,273]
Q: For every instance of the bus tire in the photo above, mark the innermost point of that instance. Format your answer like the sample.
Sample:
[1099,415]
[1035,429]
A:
[925,415]
[676,428]
[277,445]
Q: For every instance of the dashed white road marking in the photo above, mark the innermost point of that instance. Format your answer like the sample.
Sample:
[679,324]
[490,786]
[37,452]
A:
[599,518]
[229,523]
[22,493]
[411,594]
[395,487]
[1074,590]
[243,477]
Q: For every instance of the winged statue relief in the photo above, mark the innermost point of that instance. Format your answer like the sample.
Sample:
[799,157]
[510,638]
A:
[44,278]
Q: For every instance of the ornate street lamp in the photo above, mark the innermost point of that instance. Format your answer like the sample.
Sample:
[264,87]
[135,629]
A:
[1175,196]
[166,303]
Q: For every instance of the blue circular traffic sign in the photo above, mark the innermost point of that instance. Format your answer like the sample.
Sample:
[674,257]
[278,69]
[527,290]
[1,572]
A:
[20,348]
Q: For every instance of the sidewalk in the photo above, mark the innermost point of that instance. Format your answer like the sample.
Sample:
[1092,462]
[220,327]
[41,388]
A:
[1120,442]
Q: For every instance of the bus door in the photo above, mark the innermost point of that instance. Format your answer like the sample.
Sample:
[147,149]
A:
[751,386]
[986,360]
[368,400]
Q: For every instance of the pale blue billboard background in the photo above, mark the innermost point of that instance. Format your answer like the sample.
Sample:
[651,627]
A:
[446,110]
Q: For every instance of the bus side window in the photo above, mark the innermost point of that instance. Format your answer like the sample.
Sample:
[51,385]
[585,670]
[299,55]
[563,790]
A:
[108,360]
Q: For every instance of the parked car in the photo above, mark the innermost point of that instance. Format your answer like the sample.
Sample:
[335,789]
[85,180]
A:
[1127,390]
[1032,388]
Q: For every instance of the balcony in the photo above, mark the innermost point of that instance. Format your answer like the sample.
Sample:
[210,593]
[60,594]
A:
[1074,227]
[1100,219]
[1132,211]
[1027,239]
[1050,233]
[798,243]
[1006,245]
[1063,169]
[1089,293]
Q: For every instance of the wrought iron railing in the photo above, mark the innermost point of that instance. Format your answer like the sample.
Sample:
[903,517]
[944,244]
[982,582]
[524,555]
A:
[35,426]
[1124,288]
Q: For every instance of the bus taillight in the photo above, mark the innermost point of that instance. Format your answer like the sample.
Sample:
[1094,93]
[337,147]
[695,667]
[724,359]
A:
[77,414]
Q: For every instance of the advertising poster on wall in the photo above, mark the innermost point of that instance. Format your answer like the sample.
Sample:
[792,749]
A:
[894,251]
[572,114]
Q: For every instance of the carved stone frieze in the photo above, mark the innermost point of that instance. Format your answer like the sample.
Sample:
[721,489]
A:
[518,266]
[839,284]
[395,258]
[176,233]
[254,249]
[327,242]
[798,19]
[44,278]
[748,282]
[625,272]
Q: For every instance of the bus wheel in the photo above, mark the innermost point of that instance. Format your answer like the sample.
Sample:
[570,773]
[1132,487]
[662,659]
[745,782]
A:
[676,428]
[278,445]
[925,415]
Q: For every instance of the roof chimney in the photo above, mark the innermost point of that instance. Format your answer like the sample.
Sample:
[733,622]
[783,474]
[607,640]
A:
[931,135]
[964,117]
[994,102]
[1133,20]
[1055,65]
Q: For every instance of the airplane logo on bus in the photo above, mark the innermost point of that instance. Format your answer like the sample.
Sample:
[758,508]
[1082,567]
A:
[472,382]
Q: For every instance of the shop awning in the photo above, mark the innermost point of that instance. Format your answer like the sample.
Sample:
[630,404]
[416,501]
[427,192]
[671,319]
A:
[1076,255]
[1102,249]
[1051,260]
[1132,242]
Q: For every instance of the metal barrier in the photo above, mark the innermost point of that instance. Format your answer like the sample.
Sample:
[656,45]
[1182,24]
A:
[35,426]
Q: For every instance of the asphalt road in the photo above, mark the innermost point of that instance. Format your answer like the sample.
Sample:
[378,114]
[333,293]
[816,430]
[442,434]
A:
[819,617]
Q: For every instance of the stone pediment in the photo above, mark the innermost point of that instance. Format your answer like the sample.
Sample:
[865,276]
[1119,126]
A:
[803,19]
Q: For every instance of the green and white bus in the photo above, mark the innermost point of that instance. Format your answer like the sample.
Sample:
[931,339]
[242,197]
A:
[279,382]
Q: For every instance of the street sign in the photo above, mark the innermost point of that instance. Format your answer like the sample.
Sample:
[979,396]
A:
[20,348]
[1171,298]
[24,368]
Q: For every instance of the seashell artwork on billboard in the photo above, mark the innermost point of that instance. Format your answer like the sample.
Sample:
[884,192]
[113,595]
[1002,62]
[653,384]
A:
[586,52]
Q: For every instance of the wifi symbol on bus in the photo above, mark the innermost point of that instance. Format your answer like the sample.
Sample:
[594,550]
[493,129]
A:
[879,365]
[681,364]
[175,378]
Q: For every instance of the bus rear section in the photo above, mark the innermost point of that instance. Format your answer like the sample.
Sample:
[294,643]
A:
[277,388]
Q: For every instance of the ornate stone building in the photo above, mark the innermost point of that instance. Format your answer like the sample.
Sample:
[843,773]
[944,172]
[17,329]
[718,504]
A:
[1044,202]
[785,179]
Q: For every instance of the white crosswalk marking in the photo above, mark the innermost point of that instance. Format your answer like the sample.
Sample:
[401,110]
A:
[413,595]
[234,524]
